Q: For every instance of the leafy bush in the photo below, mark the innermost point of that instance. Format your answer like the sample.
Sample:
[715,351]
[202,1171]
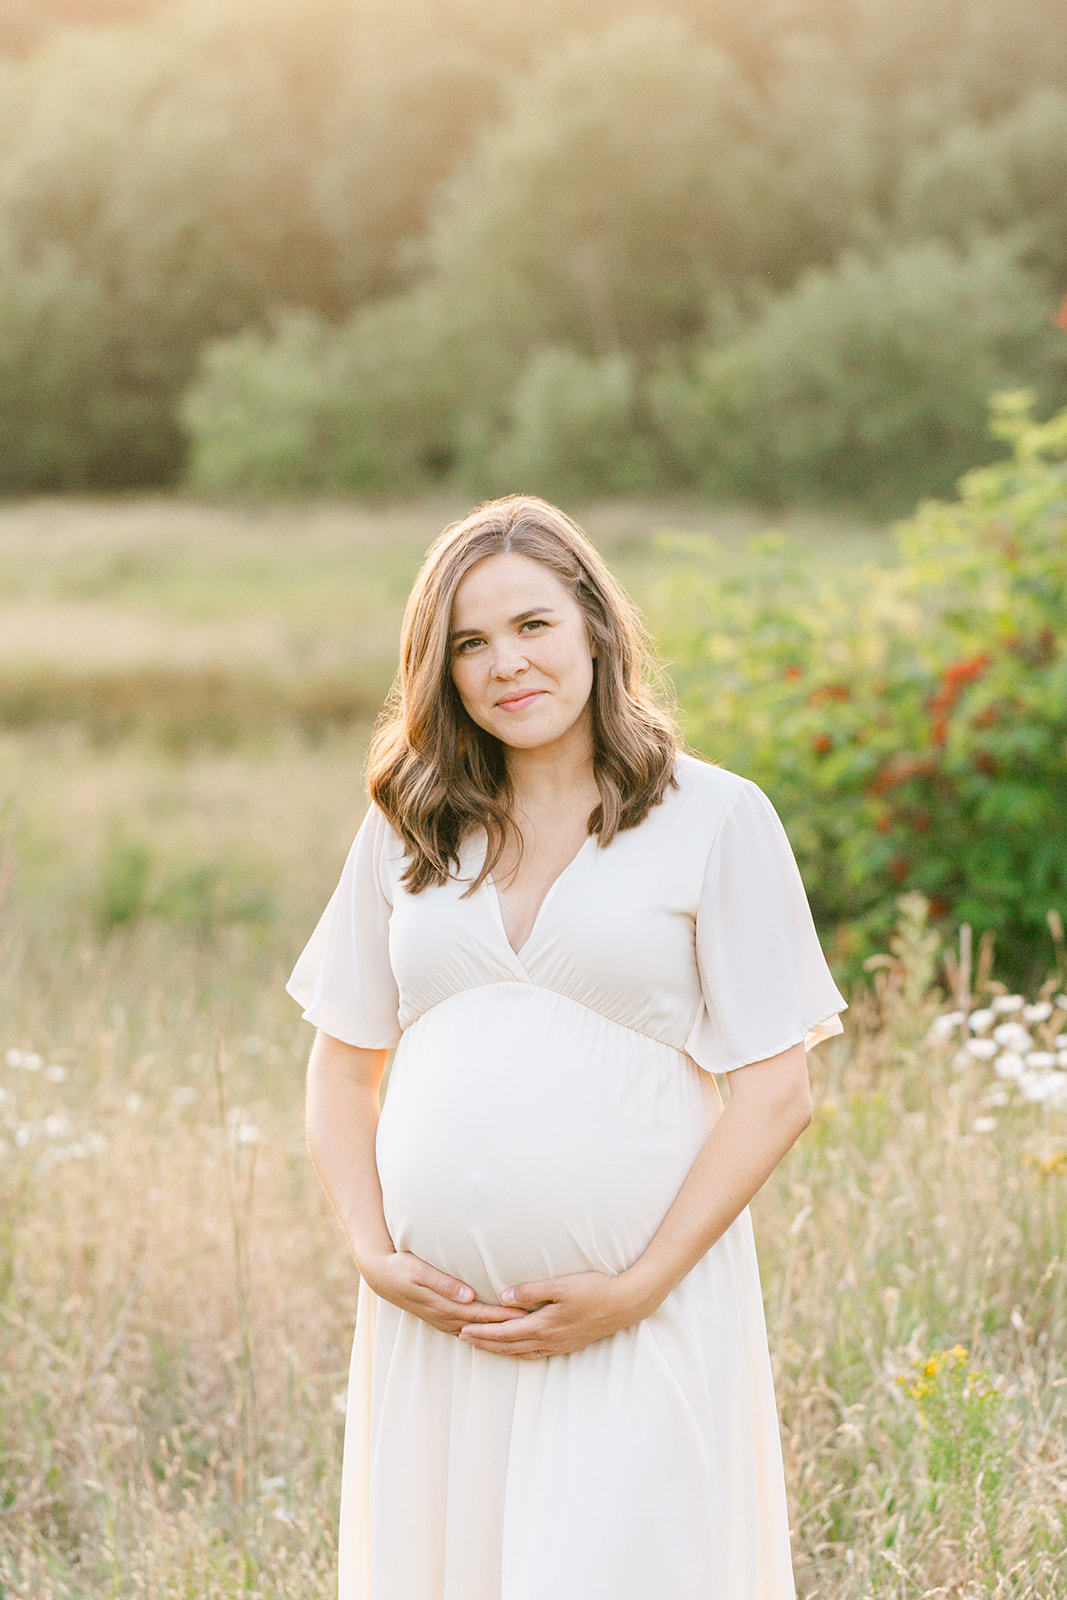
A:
[911,723]
[374,405]
[573,424]
[1007,175]
[870,381]
[55,346]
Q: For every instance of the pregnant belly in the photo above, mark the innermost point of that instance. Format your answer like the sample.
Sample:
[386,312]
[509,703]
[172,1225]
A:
[524,1136]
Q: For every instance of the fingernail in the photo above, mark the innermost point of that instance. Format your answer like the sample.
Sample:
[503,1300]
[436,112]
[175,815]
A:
[465,1293]
[508,1297]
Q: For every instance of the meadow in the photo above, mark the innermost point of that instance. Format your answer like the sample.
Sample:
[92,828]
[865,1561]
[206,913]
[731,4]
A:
[185,697]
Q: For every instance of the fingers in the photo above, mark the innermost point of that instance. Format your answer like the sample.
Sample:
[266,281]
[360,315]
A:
[531,1296]
[441,1283]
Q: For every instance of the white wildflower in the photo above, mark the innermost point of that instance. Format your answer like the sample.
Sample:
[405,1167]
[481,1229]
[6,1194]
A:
[340,1402]
[1008,1065]
[56,1126]
[1061,1001]
[942,1027]
[1013,1036]
[1041,1087]
[982,1049]
[978,1021]
[14,1058]
[5,1098]
[247,1133]
[1016,1319]
[56,1074]
[133,1103]
[1061,1058]
[998,1097]
[1008,1002]
[1060,1041]
[983,1124]
[1041,1058]
[1040,1011]
[23,1135]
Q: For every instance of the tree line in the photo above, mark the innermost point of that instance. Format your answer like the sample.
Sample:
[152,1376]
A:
[781,251]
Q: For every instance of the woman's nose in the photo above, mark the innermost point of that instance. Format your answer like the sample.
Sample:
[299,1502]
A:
[508,659]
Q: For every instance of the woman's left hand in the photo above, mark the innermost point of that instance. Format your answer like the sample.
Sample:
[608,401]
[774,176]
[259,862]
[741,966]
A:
[563,1315]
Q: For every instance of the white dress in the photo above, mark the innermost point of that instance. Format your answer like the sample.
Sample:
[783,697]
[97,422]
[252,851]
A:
[542,1112]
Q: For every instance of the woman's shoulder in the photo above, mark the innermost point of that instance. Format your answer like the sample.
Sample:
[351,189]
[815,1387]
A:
[706,784]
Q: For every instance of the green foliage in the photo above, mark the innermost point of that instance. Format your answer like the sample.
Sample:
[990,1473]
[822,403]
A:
[910,723]
[573,421]
[372,406]
[1004,176]
[134,881]
[626,181]
[395,206]
[960,1413]
[870,381]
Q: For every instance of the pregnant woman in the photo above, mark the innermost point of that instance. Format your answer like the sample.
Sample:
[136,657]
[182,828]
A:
[560,1382]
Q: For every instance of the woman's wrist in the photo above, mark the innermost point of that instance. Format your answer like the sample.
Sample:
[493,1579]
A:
[644,1289]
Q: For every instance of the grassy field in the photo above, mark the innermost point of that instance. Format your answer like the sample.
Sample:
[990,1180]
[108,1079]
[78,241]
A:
[185,696]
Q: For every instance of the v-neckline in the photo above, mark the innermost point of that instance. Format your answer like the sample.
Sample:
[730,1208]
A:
[498,904]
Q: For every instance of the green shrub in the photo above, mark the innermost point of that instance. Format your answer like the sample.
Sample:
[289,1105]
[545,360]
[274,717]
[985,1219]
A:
[56,351]
[1004,176]
[573,425]
[911,722]
[867,382]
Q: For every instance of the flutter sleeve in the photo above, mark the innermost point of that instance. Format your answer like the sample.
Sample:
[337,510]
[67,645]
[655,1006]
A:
[343,978]
[765,982]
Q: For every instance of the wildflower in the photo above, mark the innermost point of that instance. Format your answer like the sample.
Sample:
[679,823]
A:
[133,1103]
[982,1049]
[1041,1088]
[1040,1011]
[1008,1065]
[1061,1001]
[943,1026]
[978,1021]
[56,1125]
[1041,1058]
[1008,1002]
[56,1074]
[1060,1041]
[1013,1036]
[983,1124]
[247,1133]
[998,1098]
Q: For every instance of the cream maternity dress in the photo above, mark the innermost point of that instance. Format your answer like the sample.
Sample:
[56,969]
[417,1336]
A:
[543,1110]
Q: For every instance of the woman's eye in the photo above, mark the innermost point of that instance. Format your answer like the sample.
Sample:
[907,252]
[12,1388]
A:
[463,648]
[534,622]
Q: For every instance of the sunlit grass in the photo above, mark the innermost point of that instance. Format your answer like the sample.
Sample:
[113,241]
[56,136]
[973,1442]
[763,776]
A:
[176,1303]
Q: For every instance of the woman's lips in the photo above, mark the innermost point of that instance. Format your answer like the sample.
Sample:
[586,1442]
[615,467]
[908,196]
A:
[519,702]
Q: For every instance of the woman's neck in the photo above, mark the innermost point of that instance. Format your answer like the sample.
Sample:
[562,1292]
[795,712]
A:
[552,778]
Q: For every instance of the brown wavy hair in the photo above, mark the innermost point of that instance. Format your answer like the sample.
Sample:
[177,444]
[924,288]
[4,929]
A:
[437,775]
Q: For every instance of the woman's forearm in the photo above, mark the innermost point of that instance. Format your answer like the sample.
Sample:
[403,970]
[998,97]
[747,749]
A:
[769,1107]
[342,1121]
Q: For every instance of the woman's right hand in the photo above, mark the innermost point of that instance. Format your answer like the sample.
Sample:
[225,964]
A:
[446,1303]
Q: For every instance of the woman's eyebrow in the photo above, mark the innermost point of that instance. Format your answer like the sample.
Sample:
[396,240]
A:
[523,616]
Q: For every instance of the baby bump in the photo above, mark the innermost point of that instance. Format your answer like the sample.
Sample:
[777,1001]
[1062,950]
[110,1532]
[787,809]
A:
[524,1136]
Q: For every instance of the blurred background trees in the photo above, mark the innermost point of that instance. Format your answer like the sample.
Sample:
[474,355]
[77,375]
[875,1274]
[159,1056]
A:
[380,245]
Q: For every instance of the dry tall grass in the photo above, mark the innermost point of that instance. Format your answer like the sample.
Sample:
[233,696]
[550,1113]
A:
[175,1300]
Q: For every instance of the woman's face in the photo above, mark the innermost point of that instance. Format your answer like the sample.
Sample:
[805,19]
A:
[520,651]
